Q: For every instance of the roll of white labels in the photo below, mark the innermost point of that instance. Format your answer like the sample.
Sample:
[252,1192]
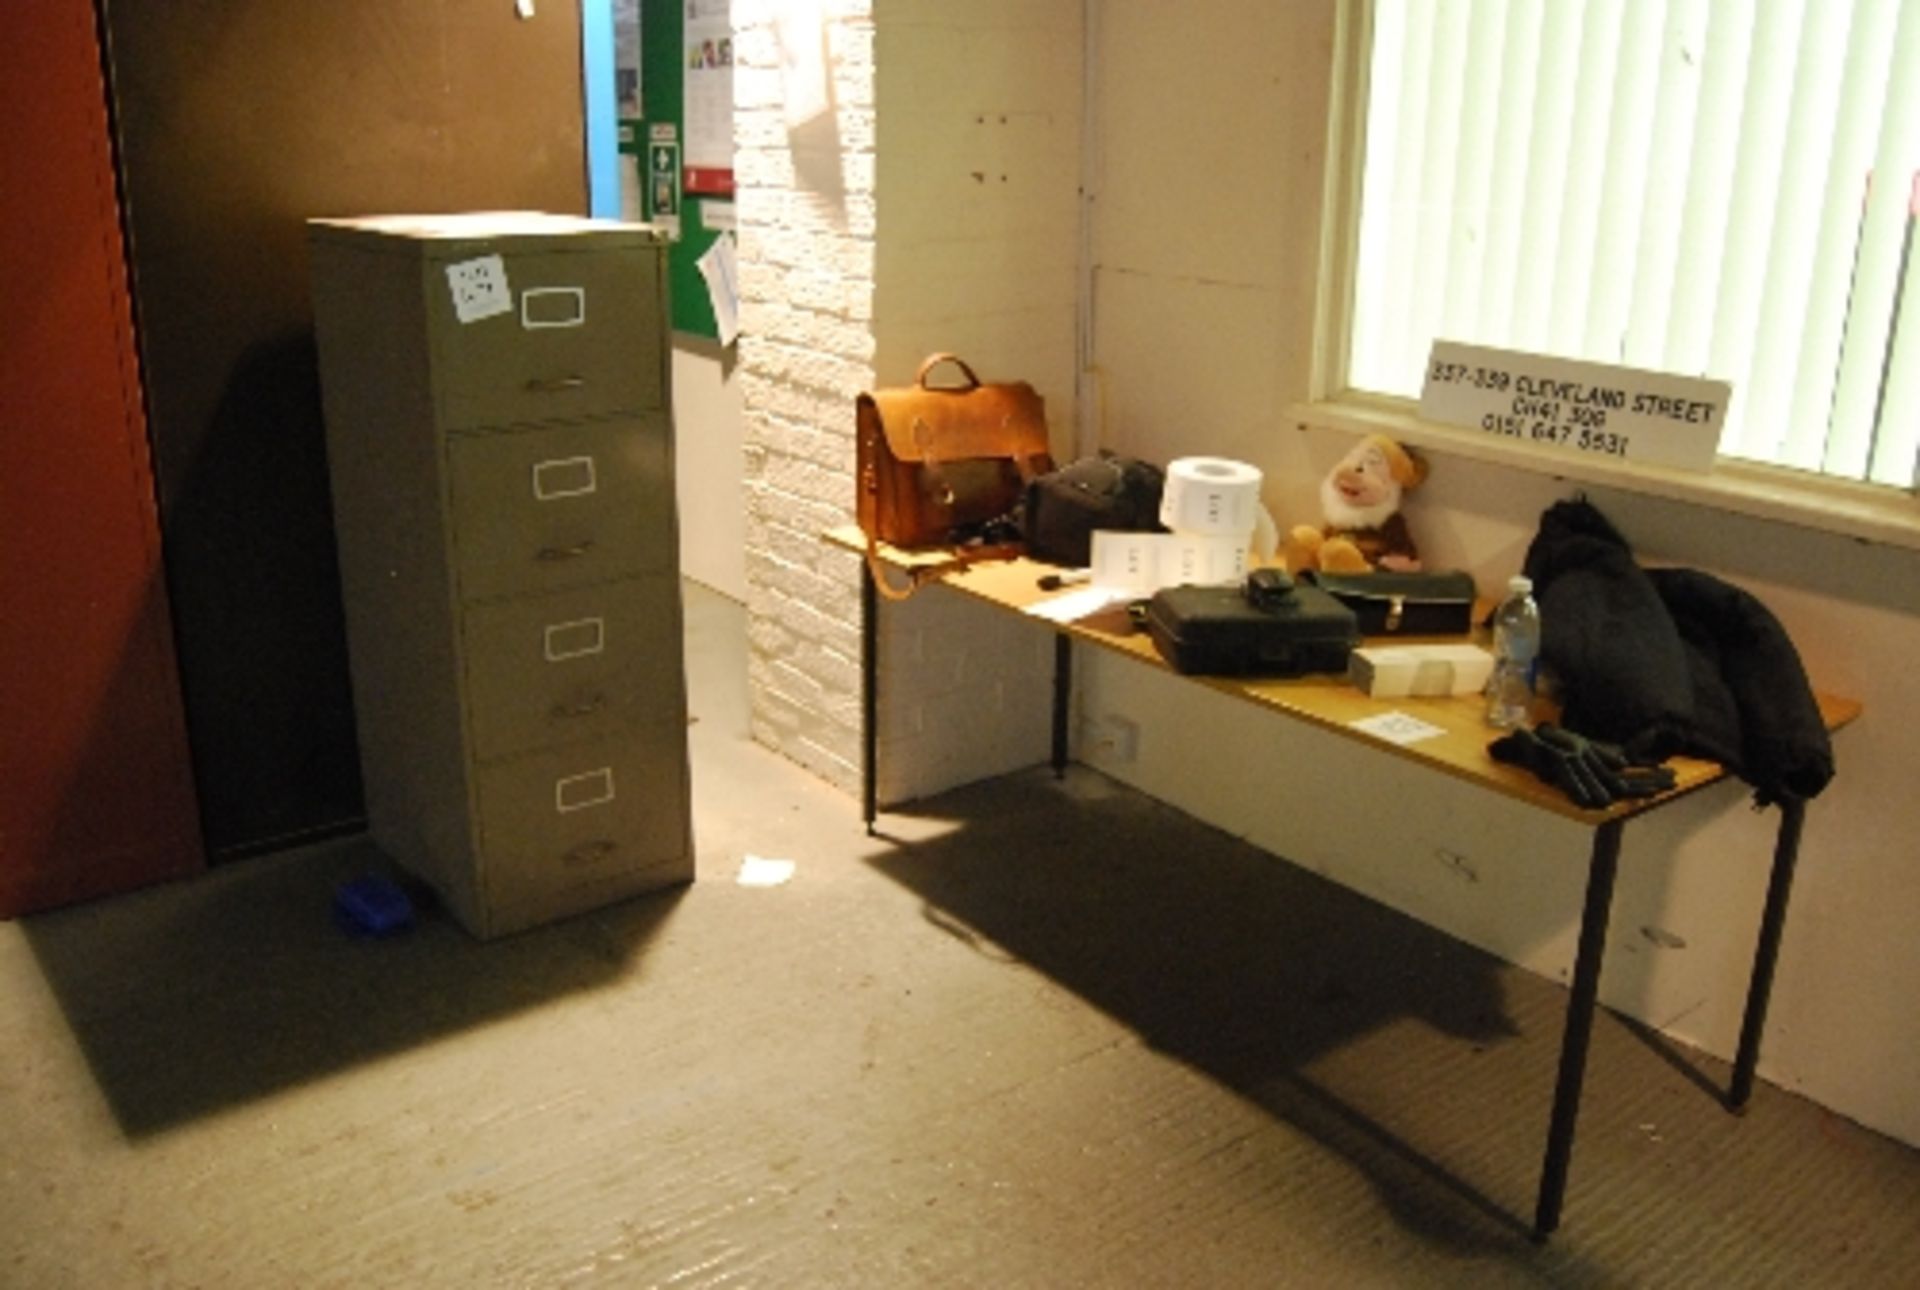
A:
[1139,564]
[1213,506]
[1211,497]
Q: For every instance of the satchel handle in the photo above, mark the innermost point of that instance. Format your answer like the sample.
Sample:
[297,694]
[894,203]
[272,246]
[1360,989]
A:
[877,570]
[961,561]
[934,360]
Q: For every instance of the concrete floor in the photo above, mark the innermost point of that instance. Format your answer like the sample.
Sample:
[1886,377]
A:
[1042,1034]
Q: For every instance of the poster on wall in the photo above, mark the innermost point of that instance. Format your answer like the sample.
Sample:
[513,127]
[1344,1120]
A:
[628,110]
[626,59]
[708,96]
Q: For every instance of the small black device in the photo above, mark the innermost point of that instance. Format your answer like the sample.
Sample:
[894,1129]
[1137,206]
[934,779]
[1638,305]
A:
[1268,588]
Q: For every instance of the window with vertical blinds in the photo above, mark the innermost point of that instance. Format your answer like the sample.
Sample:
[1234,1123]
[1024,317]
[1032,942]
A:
[1724,188]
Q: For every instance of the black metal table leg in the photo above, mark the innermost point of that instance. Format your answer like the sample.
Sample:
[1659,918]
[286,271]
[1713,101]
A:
[1062,697]
[1786,852]
[1602,870]
[869,695]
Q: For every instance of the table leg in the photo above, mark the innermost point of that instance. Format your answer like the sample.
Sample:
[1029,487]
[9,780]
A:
[1062,698]
[1603,868]
[869,695]
[1786,852]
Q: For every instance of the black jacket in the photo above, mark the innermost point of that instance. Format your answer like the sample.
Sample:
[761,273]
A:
[1667,661]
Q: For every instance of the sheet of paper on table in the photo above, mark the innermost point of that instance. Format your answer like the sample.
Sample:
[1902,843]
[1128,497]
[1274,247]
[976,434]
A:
[1397,727]
[1076,605]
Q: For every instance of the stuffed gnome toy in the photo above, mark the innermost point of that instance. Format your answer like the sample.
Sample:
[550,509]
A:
[1360,502]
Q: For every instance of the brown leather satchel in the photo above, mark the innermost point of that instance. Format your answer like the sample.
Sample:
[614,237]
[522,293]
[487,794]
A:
[936,463]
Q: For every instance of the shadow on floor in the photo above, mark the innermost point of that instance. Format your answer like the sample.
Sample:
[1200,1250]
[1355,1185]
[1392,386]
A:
[189,998]
[1243,967]
[195,997]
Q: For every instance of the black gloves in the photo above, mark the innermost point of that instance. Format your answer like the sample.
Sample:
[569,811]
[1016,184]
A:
[1592,774]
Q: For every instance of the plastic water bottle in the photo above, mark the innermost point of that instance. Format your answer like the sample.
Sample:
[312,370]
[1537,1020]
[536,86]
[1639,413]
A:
[1516,653]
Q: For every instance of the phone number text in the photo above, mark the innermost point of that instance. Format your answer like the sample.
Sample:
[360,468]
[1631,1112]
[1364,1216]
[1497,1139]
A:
[1585,438]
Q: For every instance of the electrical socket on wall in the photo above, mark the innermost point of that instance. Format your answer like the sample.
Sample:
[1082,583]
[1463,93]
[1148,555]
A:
[1112,738]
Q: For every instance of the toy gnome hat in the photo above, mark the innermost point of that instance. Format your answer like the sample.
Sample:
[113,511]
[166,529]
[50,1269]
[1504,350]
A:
[1407,467]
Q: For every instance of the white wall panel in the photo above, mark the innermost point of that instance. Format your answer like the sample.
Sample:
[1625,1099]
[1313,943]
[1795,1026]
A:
[709,420]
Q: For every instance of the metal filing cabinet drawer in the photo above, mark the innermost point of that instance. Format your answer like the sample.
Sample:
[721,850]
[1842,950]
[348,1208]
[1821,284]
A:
[580,340]
[542,510]
[574,665]
[580,815]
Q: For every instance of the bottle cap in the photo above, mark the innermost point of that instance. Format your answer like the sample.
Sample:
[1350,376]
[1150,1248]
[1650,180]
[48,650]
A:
[1520,585]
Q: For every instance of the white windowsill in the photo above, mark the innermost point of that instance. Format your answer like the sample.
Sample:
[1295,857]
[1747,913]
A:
[1864,511]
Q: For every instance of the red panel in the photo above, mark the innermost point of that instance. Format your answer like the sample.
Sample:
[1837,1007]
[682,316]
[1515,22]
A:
[96,793]
[706,179]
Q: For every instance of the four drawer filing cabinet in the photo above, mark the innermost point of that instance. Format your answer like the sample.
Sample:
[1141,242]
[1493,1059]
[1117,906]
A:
[500,443]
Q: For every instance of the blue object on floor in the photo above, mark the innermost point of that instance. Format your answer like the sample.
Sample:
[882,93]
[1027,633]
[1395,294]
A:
[372,905]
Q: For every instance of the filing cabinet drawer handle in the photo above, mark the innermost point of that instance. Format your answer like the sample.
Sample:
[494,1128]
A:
[590,852]
[583,708]
[542,307]
[578,792]
[574,552]
[578,638]
[564,477]
[556,384]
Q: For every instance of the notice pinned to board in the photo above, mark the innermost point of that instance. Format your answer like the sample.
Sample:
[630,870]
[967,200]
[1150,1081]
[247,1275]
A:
[708,96]
[720,269]
[1569,407]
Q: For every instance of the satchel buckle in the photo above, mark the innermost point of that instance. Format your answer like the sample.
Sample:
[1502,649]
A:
[1395,608]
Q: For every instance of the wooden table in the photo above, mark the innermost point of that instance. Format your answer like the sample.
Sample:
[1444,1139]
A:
[1460,751]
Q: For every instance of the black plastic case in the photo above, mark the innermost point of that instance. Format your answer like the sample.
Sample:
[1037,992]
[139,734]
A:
[1404,604]
[1215,631]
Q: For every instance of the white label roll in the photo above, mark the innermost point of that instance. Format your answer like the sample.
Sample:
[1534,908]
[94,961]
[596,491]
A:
[1139,564]
[1202,561]
[1211,497]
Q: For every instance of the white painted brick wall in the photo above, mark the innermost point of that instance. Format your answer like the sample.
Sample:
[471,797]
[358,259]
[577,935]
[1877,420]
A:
[968,690]
[807,346]
[938,210]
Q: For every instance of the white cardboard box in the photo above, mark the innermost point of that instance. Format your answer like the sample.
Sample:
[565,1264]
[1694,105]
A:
[1396,671]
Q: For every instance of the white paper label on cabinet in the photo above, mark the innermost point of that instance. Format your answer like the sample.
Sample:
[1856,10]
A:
[576,639]
[479,288]
[578,792]
[553,307]
[564,477]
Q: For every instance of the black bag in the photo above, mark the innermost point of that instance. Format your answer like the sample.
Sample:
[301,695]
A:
[1403,604]
[1222,631]
[1063,507]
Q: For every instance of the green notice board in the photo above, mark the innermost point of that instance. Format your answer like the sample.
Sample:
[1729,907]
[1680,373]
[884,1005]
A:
[683,161]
